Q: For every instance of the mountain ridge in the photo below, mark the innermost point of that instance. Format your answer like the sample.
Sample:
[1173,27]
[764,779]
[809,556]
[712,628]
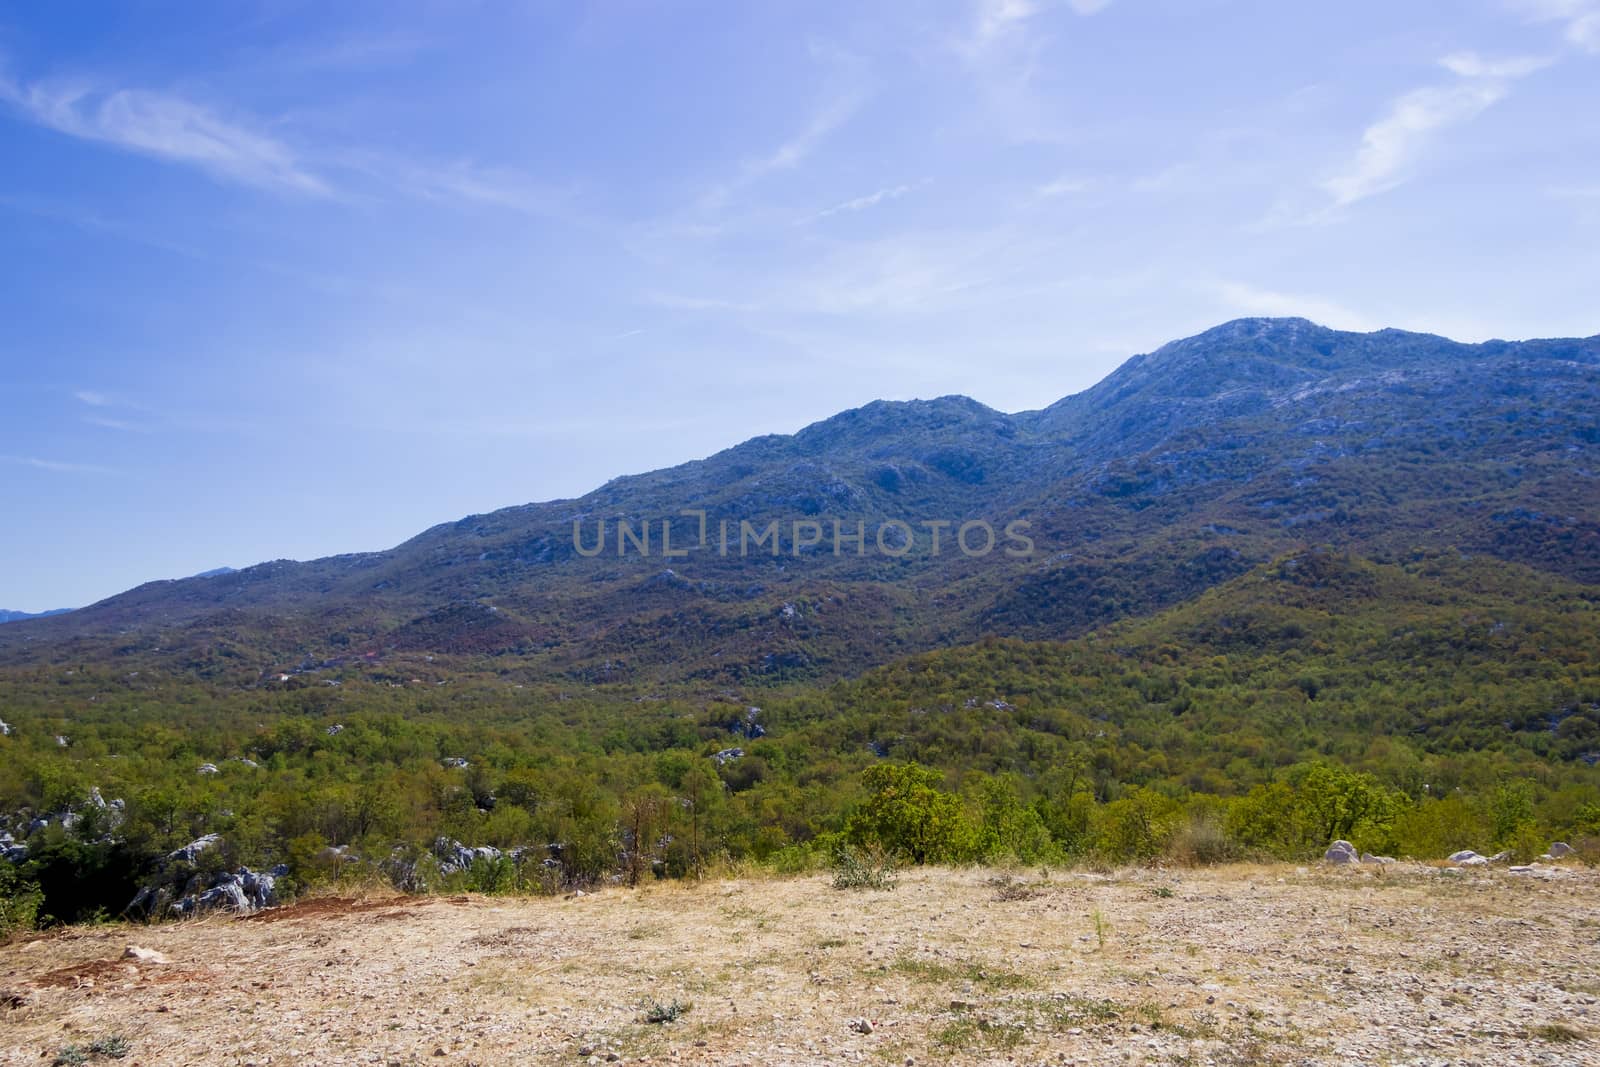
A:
[1183,467]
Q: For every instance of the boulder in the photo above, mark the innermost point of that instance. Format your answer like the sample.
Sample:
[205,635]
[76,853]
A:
[1367,857]
[207,768]
[5,728]
[1501,857]
[454,857]
[1560,849]
[191,852]
[1340,853]
[1468,858]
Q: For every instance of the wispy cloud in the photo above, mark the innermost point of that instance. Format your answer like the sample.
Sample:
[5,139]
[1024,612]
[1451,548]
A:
[55,466]
[238,150]
[167,127]
[1065,186]
[996,18]
[1579,19]
[833,114]
[862,203]
[681,302]
[1254,300]
[1391,146]
[114,424]
[94,399]
[470,183]
[1472,65]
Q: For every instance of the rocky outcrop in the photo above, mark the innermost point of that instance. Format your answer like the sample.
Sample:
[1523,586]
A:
[241,891]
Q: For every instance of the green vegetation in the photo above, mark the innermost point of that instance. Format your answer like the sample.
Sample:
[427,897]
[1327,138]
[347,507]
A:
[870,867]
[1413,708]
[109,1048]
[658,1013]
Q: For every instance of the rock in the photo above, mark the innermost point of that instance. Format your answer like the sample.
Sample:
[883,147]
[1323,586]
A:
[1340,853]
[455,857]
[458,762]
[1521,869]
[1560,849]
[336,729]
[1501,857]
[727,755]
[144,955]
[1367,857]
[191,852]
[207,768]
[9,999]
[862,1026]
[1468,857]
[62,740]
[5,728]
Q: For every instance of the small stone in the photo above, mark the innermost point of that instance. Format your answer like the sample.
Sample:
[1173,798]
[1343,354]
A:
[144,955]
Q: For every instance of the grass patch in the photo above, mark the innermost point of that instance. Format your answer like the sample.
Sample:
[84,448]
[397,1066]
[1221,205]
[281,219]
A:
[936,972]
[971,1033]
[1556,1033]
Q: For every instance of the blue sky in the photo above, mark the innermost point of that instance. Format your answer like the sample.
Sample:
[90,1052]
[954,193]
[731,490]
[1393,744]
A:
[289,279]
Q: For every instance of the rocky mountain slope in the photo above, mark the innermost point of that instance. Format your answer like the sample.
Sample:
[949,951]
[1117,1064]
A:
[1184,468]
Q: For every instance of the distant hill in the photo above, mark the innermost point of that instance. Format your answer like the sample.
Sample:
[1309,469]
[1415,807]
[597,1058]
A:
[1183,469]
[18,616]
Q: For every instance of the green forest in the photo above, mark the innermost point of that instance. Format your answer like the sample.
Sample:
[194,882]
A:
[1413,707]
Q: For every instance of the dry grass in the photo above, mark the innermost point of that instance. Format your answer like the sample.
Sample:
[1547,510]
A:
[1234,965]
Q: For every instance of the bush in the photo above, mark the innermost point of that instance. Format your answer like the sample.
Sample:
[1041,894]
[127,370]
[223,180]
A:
[1203,841]
[863,868]
[19,902]
[655,1012]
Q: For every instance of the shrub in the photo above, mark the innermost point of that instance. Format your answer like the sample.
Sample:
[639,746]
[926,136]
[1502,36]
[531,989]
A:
[863,868]
[19,901]
[657,1013]
[1202,841]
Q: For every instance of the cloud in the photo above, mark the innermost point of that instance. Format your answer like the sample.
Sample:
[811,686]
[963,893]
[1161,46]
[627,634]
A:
[1580,19]
[1253,300]
[1472,65]
[94,399]
[472,184]
[55,466]
[167,127]
[996,18]
[789,154]
[792,152]
[1390,146]
[1064,187]
[861,203]
[114,424]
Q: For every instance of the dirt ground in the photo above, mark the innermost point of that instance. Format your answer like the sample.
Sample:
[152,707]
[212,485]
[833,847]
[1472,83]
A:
[1234,965]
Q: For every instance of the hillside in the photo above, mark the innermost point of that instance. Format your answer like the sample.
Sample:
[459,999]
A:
[1184,468]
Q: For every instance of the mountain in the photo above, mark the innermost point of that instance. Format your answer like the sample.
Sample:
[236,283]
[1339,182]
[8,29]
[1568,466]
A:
[18,616]
[1185,468]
